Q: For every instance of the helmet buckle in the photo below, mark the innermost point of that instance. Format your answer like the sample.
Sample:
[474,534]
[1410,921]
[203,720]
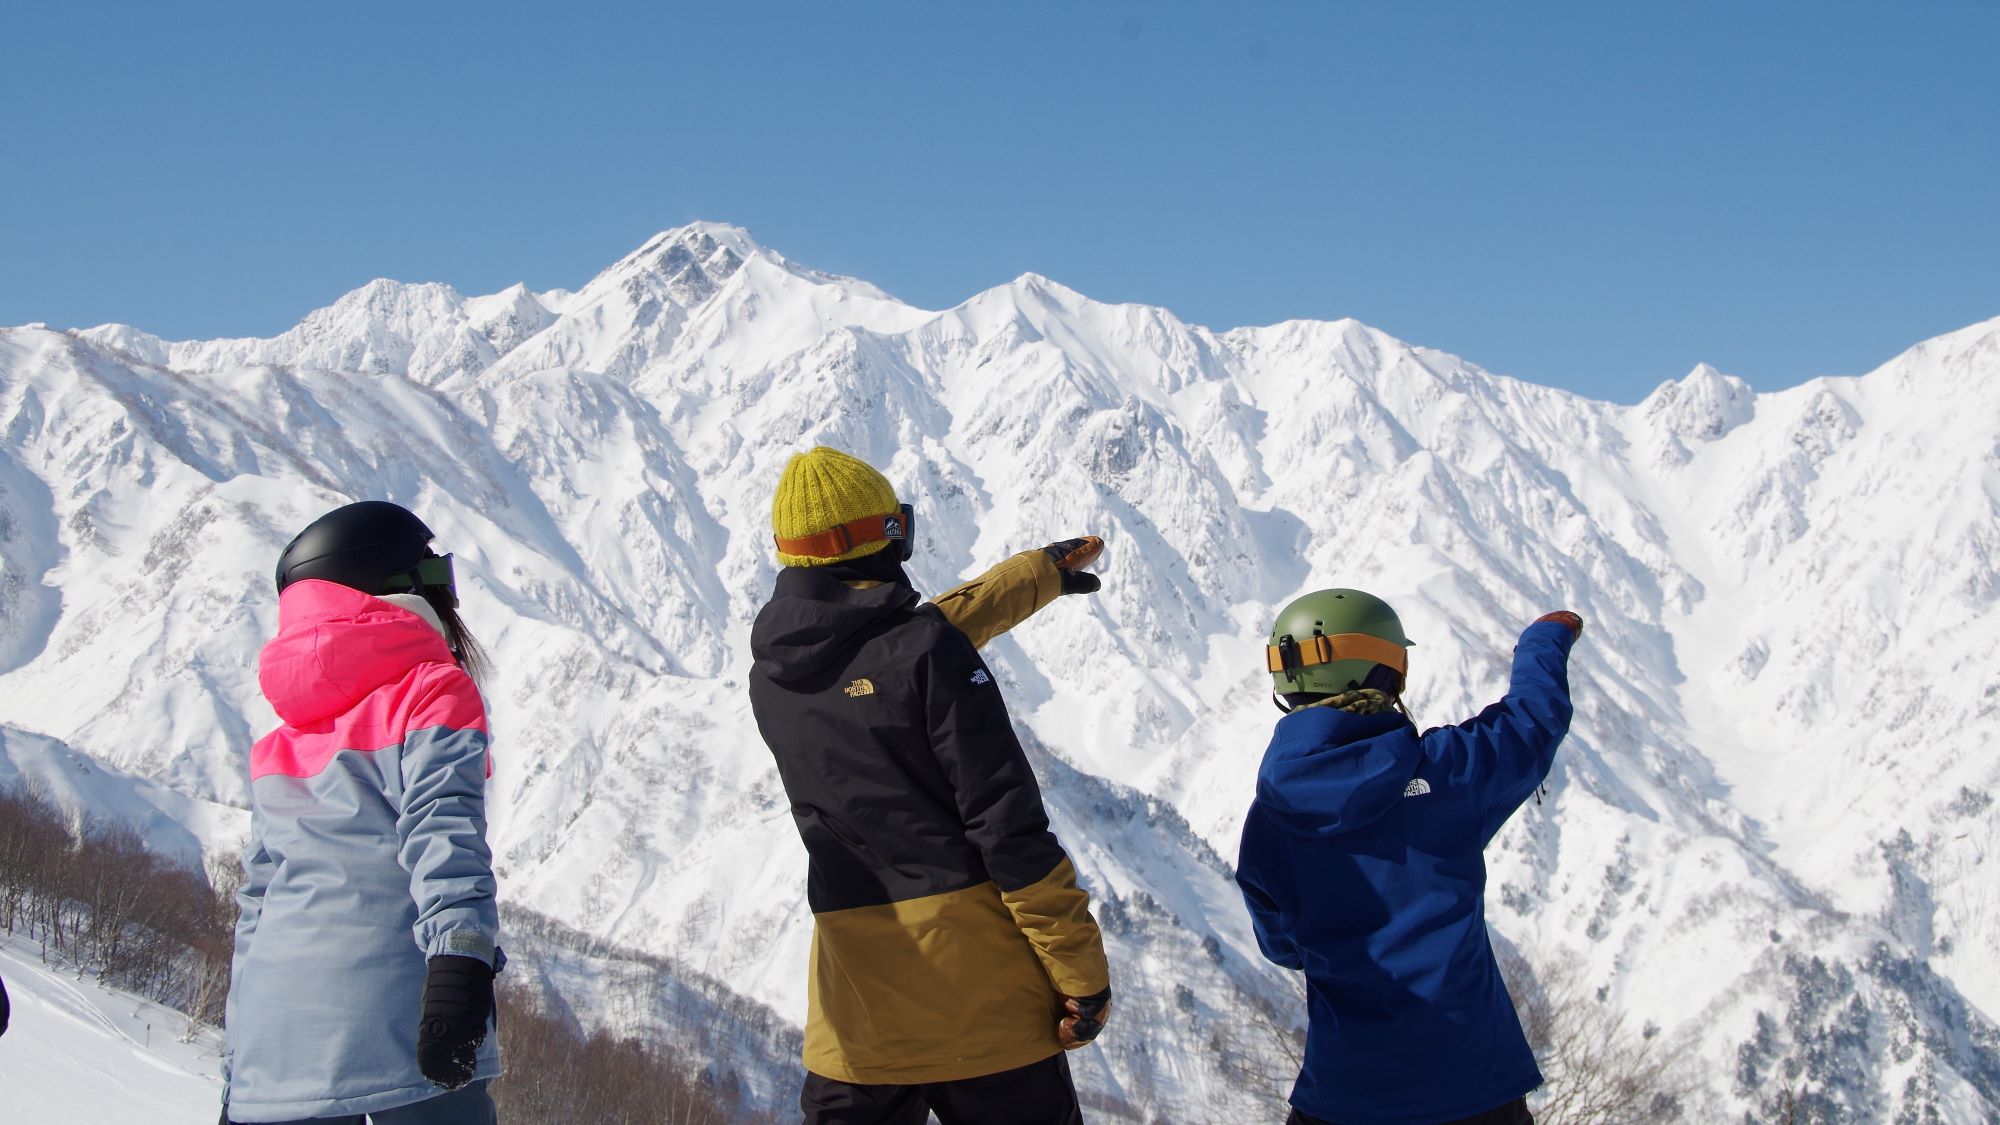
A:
[1289,661]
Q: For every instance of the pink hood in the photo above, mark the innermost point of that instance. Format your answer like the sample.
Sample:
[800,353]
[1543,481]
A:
[335,645]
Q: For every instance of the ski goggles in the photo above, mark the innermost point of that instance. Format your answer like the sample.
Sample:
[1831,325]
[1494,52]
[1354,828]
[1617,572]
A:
[1289,655]
[897,527]
[432,572]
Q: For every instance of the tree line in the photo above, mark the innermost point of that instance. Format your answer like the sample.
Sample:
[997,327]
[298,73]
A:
[97,900]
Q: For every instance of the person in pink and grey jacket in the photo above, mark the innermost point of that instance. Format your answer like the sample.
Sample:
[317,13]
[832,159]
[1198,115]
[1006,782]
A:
[365,948]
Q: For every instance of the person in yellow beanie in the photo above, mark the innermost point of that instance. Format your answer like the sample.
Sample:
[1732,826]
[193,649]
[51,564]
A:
[819,496]
[955,959]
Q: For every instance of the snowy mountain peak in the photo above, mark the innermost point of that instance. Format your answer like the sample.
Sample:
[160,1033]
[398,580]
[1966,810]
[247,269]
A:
[689,263]
[513,315]
[382,328]
[695,261]
[126,340]
[1042,286]
[1957,364]
[1702,406]
[705,236]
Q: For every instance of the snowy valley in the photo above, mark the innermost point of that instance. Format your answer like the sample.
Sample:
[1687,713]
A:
[1770,839]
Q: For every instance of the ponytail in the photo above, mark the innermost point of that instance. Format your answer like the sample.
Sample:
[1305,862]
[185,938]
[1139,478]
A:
[471,655]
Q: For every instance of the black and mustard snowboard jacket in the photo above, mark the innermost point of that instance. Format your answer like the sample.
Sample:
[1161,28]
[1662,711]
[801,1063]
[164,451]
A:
[948,922]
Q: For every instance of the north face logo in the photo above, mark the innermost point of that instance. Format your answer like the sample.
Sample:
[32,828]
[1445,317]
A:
[980,677]
[859,688]
[1417,787]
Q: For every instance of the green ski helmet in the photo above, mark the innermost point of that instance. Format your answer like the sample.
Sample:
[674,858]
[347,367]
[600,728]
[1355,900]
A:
[1328,641]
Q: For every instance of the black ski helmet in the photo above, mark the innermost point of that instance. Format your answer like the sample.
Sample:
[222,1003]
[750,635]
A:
[372,546]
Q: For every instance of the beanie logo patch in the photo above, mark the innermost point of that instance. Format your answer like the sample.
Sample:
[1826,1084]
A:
[980,677]
[859,688]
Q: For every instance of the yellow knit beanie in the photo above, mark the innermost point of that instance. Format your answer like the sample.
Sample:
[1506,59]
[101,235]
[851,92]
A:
[824,489]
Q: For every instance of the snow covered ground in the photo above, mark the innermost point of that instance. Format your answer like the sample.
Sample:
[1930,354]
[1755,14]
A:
[82,1054]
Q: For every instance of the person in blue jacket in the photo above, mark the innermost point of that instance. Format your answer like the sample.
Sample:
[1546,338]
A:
[1361,863]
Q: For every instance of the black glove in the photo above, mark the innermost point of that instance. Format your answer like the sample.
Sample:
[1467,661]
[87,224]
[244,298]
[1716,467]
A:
[1071,556]
[1086,1018]
[458,1000]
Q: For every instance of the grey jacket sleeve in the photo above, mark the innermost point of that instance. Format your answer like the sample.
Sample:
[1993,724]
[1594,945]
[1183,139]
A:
[442,824]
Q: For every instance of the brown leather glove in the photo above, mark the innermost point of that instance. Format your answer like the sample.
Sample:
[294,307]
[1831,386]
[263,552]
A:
[1071,556]
[1564,617]
[1086,1018]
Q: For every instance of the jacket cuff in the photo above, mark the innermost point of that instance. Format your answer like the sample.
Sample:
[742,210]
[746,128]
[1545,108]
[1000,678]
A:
[465,943]
[1562,635]
[1054,915]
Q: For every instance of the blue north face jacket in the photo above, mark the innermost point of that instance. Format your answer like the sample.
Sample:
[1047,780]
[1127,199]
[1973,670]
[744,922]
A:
[1361,864]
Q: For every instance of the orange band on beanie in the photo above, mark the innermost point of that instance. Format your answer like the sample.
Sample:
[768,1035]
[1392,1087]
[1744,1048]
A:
[1342,646]
[840,540]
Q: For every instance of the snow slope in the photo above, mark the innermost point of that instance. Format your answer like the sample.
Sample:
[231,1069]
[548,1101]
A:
[83,1054]
[172,824]
[1768,835]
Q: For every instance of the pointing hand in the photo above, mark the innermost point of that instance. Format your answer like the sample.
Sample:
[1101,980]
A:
[1071,556]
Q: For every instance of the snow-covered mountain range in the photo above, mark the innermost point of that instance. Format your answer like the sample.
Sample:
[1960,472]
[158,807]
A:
[1770,837]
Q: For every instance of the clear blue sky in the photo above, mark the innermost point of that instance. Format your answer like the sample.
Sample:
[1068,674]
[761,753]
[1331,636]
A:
[1595,195]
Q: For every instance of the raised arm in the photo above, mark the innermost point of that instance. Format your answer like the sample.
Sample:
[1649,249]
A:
[1018,588]
[1505,751]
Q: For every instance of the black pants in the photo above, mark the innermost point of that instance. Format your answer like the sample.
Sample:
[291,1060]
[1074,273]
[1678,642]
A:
[1037,1094]
[1513,1113]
